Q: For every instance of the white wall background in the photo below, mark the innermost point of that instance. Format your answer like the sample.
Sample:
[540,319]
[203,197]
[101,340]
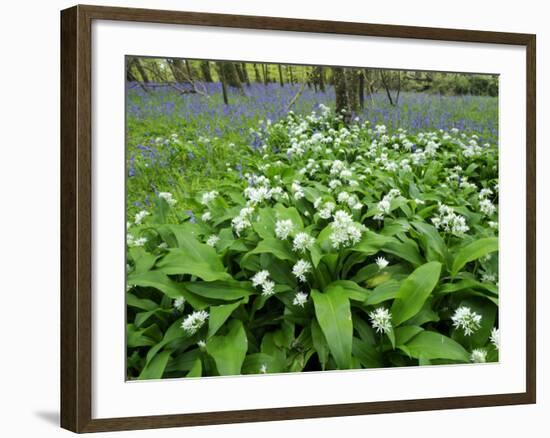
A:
[29,215]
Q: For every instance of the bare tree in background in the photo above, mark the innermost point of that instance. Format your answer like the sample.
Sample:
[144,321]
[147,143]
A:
[206,73]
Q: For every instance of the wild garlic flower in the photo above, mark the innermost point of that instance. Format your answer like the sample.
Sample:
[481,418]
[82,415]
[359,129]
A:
[242,221]
[260,278]
[300,299]
[381,320]
[495,338]
[487,207]
[206,216]
[343,197]
[140,216]
[300,269]
[193,322]
[464,318]
[283,228]
[263,368]
[381,262]
[326,211]
[298,190]
[212,240]
[268,288]
[447,220]
[485,193]
[256,195]
[384,206]
[478,355]
[201,344]
[488,277]
[302,242]
[168,198]
[179,303]
[132,241]
[208,197]
[345,232]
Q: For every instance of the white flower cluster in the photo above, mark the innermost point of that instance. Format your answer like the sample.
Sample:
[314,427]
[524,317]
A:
[495,338]
[300,299]
[140,216]
[300,269]
[467,320]
[132,241]
[325,210]
[298,190]
[381,262]
[212,240]
[208,197]
[168,198]
[350,200]
[261,279]
[344,232]
[283,228]
[487,207]
[478,355]
[302,242]
[179,303]
[447,220]
[381,320]
[193,322]
[384,205]
[242,221]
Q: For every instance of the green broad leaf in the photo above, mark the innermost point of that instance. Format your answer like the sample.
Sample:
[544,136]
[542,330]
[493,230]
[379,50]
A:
[316,255]
[218,316]
[220,290]
[365,273]
[196,369]
[173,333]
[140,303]
[406,333]
[229,351]
[351,289]
[431,345]
[183,362]
[414,291]
[137,337]
[466,284]
[332,309]
[278,248]
[258,363]
[384,292]
[319,343]
[157,280]
[283,213]
[372,242]
[193,258]
[407,250]
[474,251]
[265,225]
[366,353]
[432,242]
[155,368]
[143,261]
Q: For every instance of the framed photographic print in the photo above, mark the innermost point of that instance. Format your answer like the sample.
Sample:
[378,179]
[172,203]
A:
[268,218]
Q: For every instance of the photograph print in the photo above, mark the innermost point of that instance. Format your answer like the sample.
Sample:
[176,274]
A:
[303,218]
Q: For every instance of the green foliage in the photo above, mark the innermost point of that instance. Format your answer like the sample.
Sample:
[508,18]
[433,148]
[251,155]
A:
[334,247]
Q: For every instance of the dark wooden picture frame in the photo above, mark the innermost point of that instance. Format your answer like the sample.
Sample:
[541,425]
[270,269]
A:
[76,217]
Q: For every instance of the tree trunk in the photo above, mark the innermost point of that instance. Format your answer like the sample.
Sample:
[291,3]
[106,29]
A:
[257,74]
[361,89]
[281,80]
[141,71]
[321,79]
[266,74]
[246,79]
[290,74]
[221,74]
[206,73]
[231,75]
[177,68]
